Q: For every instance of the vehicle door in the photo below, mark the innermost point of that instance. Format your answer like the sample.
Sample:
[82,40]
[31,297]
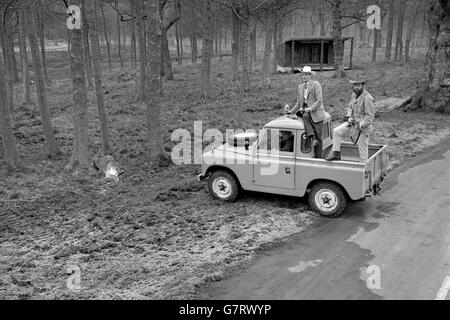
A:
[274,156]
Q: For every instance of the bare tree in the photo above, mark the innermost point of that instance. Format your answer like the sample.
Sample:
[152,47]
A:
[80,154]
[179,40]
[390,31]
[206,49]
[52,146]
[119,49]
[133,45]
[267,47]
[337,39]
[8,55]
[194,36]
[412,23]
[87,47]
[139,12]
[24,57]
[169,16]
[399,40]
[154,81]
[95,43]
[105,30]
[41,33]
[8,140]
[235,43]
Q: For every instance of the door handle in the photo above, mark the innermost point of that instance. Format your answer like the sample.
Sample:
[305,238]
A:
[287,170]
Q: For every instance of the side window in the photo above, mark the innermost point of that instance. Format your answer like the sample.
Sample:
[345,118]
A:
[274,141]
[306,147]
[286,141]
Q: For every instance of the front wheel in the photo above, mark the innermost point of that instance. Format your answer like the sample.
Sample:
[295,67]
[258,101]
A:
[223,186]
[327,199]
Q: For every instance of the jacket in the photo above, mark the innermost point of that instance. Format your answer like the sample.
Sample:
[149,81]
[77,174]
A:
[361,109]
[313,100]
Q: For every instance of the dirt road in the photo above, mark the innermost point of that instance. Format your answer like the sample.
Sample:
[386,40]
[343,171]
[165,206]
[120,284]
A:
[404,234]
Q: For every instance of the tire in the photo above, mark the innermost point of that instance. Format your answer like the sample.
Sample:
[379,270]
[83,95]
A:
[327,199]
[223,186]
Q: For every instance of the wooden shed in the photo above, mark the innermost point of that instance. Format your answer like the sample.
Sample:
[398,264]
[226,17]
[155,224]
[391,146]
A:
[317,52]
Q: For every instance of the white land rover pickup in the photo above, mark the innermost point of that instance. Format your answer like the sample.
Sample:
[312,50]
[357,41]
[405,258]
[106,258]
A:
[280,161]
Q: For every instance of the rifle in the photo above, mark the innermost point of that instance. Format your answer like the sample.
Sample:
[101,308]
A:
[354,124]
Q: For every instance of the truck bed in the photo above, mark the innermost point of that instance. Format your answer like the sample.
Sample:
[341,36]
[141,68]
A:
[350,153]
[373,171]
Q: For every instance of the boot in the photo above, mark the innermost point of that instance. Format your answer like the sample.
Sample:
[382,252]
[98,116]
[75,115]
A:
[334,155]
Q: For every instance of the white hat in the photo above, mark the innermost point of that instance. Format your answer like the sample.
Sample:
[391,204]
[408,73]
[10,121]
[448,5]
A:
[307,69]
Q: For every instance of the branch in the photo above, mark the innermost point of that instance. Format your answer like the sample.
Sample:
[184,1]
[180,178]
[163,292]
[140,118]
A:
[121,17]
[170,20]
[350,24]
[237,14]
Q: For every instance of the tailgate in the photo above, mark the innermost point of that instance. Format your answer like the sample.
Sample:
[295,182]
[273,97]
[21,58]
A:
[375,169]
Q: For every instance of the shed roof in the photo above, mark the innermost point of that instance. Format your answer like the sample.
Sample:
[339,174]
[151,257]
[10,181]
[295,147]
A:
[324,38]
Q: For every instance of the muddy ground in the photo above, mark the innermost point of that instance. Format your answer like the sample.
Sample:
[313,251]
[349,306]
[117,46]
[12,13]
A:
[157,233]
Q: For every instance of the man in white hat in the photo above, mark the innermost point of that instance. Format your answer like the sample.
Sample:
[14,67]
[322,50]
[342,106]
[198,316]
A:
[310,102]
[358,122]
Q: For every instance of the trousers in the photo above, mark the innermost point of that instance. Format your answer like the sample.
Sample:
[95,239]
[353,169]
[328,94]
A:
[341,131]
[314,129]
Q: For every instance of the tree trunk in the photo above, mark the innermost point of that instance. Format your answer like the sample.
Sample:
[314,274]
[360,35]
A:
[6,49]
[32,26]
[7,39]
[390,32]
[399,39]
[235,45]
[206,49]
[179,44]
[337,40]
[24,57]
[220,41]
[166,58]
[95,43]
[80,153]
[140,23]
[376,38]
[133,45]
[119,48]
[8,140]
[275,42]
[41,33]
[410,31]
[86,46]
[267,49]
[154,83]
[216,36]
[194,37]
[323,30]
[253,44]
[247,47]
[435,94]
[14,72]
[105,30]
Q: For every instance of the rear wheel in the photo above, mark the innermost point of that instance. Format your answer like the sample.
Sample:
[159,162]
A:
[327,199]
[223,186]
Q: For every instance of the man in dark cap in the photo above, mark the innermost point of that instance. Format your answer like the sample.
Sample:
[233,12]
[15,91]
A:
[360,115]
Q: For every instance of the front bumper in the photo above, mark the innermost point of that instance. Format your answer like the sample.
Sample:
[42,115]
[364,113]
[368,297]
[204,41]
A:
[202,177]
